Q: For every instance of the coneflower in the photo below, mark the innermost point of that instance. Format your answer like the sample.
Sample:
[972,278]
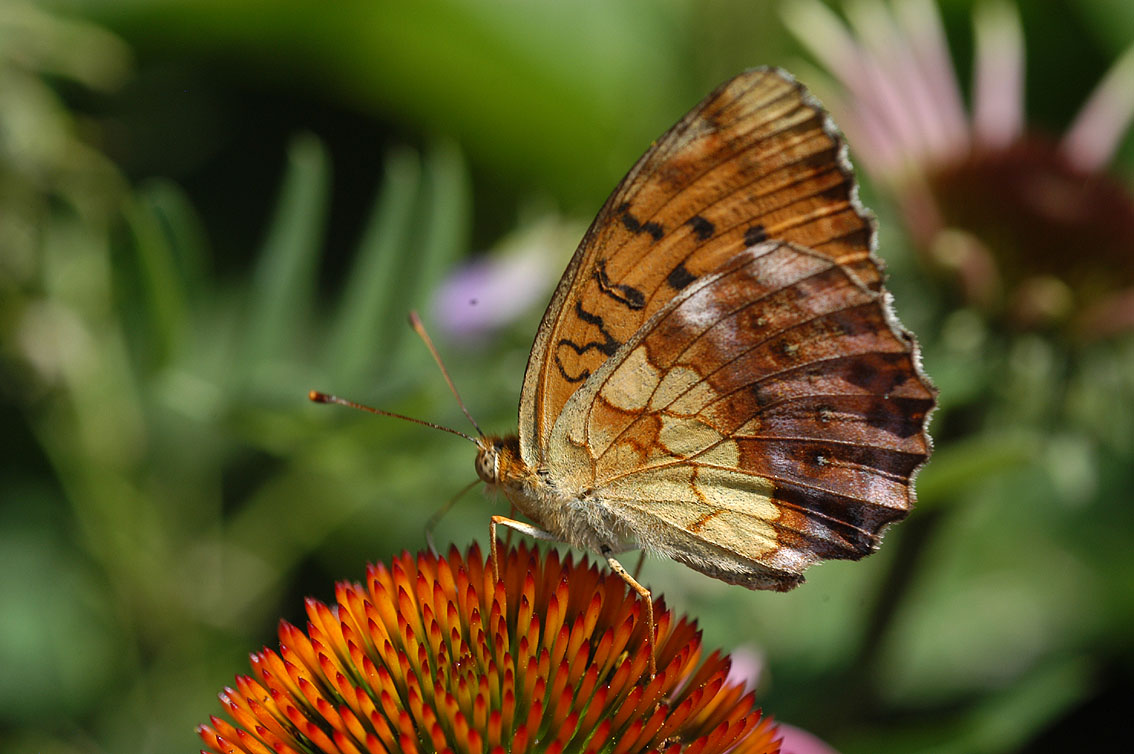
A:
[1033,226]
[429,654]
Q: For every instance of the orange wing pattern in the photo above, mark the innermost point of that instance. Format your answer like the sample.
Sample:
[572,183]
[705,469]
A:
[771,415]
[758,159]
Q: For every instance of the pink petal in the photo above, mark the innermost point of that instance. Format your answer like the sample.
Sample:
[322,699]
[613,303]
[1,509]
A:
[921,22]
[904,103]
[822,32]
[998,72]
[870,140]
[798,741]
[747,666]
[1101,124]
[895,77]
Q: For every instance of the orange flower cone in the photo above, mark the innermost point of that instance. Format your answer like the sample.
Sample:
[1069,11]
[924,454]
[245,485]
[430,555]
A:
[431,655]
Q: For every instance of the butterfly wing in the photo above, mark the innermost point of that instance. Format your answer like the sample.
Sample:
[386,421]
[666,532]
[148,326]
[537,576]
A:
[771,415]
[757,159]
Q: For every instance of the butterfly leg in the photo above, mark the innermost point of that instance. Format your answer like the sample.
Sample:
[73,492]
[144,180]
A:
[644,593]
[520,526]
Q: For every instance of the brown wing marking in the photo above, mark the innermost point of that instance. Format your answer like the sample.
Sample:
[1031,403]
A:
[757,159]
[775,408]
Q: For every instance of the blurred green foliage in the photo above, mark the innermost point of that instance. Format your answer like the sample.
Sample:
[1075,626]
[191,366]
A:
[209,207]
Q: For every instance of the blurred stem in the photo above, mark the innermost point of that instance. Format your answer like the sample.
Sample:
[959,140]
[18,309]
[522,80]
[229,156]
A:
[908,561]
[853,696]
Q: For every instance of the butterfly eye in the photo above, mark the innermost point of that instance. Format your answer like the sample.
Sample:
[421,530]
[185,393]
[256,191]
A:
[486,461]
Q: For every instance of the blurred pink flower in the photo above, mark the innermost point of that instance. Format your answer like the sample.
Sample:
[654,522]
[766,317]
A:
[798,741]
[1030,225]
[748,665]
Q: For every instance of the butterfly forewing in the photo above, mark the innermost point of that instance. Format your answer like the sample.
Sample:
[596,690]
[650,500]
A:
[758,159]
[770,415]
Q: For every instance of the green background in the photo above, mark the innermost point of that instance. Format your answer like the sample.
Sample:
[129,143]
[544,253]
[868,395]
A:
[204,206]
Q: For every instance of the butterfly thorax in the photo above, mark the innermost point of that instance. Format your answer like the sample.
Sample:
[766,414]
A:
[576,518]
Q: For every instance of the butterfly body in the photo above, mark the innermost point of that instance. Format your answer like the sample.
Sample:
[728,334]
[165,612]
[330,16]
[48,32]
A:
[574,516]
[583,519]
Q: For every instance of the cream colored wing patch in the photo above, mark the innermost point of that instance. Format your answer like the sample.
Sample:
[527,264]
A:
[773,411]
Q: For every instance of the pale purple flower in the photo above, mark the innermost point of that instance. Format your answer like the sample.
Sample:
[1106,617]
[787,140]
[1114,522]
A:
[491,292]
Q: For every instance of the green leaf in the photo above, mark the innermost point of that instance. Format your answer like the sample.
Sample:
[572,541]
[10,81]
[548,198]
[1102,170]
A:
[360,328]
[163,286]
[1008,720]
[283,282]
[440,235]
[971,461]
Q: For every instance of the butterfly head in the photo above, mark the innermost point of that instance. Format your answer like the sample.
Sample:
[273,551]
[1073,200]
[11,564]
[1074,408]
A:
[498,458]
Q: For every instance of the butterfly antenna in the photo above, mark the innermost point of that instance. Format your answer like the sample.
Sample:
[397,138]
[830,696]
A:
[318,397]
[419,328]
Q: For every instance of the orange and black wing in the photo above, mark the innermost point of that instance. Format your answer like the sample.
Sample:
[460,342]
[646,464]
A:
[758,159]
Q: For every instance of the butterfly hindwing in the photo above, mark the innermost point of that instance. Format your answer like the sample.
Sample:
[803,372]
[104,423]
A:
[770,415]
[758,159]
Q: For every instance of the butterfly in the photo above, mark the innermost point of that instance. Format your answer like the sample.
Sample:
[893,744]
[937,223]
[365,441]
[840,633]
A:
[719,377]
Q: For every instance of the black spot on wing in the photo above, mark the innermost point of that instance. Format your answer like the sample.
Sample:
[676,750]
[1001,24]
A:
[755,235]
[680,277]
[609,345]
[787,349]
[582,375]
[702,228]
[634,225]
[628,219]
[880,373]
[901,417]
[763,395]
